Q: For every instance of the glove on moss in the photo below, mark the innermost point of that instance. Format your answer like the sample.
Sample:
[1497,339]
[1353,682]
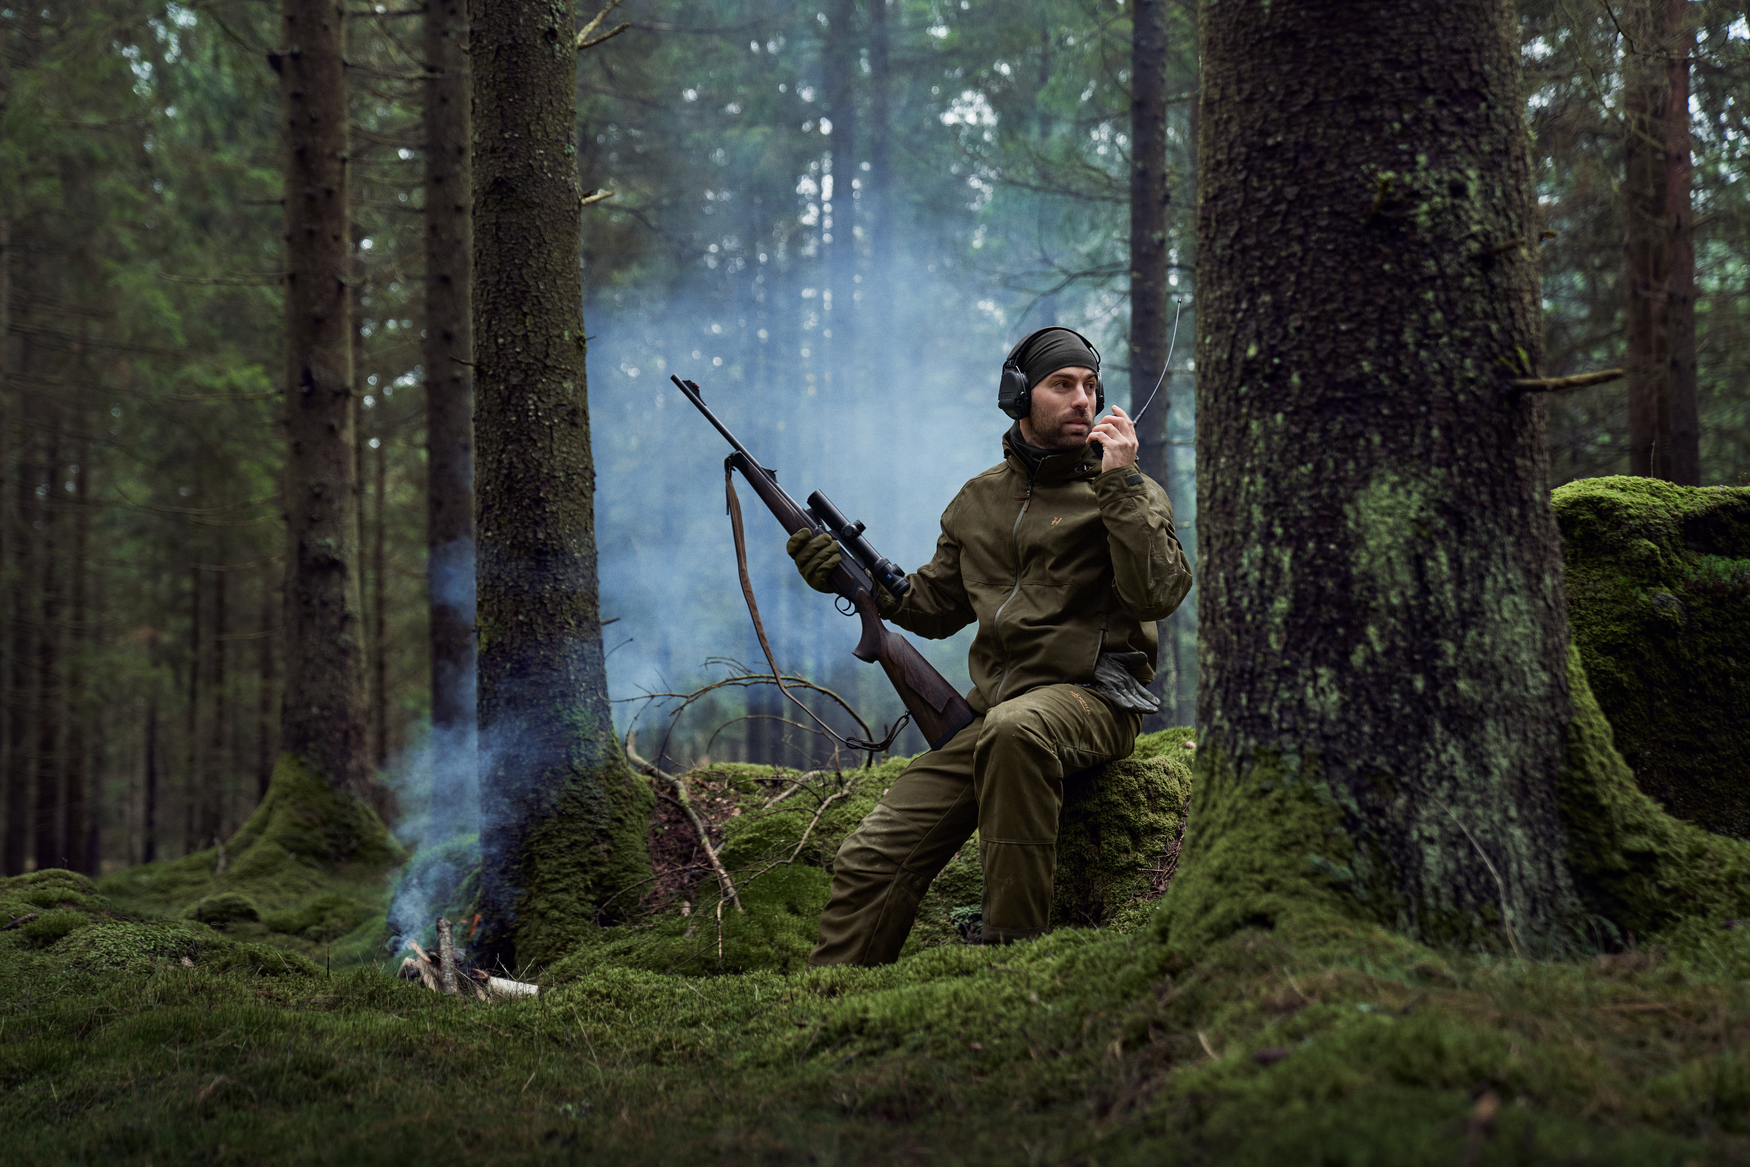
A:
[815,558]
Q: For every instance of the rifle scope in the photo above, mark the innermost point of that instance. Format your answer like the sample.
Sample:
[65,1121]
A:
[886,572]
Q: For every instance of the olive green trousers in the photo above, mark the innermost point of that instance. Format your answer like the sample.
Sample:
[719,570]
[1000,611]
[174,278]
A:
[1001,776]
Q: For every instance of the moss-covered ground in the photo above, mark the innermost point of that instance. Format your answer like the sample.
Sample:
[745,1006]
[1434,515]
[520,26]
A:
[1334,1044]
[133,1030]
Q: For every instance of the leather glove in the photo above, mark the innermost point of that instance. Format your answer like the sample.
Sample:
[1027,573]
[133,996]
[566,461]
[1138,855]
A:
[815,557]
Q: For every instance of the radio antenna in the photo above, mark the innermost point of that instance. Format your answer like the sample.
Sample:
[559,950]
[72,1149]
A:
[1171,344]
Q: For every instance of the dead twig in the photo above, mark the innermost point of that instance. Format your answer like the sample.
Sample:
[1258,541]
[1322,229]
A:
[584,38]
[1577,381]
[686,805]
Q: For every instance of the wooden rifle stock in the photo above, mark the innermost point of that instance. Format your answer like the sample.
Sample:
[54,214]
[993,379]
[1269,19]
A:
[936,708]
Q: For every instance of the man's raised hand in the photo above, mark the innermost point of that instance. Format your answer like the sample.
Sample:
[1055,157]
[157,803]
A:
[1117,437]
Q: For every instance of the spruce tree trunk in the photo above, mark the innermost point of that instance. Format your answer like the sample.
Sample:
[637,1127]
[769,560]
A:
[323,716]
[449,373]
[1659,252]
[20,566]
[1383,699]
[1150,322]
[564,821]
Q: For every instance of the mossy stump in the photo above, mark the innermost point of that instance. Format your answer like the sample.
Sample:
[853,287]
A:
[1658,582]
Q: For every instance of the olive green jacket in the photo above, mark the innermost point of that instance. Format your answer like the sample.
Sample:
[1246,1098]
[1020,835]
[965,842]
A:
[1055,567]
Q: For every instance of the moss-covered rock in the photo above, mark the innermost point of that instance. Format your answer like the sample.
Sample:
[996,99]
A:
[224,909]
[1640,871]
[308,861]
[1120,828]
[1658,582]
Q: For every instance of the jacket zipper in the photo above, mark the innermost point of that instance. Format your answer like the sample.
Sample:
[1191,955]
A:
[995,620]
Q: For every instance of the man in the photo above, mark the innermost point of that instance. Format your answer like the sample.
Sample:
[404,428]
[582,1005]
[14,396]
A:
[1065,555]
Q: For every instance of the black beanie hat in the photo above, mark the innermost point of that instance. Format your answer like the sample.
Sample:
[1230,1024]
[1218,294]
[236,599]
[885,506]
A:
[1051,349]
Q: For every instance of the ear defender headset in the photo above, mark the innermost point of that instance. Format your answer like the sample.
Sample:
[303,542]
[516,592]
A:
[1015,392]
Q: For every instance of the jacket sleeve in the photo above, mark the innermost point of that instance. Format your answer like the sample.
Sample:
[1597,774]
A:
[937,605]
[1149,568]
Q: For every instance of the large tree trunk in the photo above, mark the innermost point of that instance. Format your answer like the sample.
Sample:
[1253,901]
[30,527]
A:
[323,715]
[1383,700]
[563,818]
[1149,319]
[19,566]
[49,658]
[449,376]
[1659,280]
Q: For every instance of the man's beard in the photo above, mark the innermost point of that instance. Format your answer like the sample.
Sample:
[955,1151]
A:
[1055,438]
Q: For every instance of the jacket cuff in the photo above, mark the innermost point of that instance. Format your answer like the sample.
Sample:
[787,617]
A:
[1120,483]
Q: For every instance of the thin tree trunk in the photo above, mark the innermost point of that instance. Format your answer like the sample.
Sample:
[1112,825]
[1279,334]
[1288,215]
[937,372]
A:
[449,371]
[79,815]
[380,611]
[877,202]
[1664,439]
[149,809]
[1149,319]
[50,790]
[840,67]
[193,789]
[1383,706]
[324,716]
[266,719]
[563,817]
[216,794]
[22,682]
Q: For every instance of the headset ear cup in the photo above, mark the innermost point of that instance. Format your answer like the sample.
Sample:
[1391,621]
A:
[1014,395]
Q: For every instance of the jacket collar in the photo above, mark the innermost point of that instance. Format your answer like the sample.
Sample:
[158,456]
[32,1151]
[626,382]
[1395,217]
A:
[1055,467]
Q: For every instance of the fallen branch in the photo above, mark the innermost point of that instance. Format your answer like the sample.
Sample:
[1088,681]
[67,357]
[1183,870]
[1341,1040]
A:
[1577,381]
[595,196]
[505,987]
[686,805]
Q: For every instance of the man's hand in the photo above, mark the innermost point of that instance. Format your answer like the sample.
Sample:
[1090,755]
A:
[1117,437]
[817,555]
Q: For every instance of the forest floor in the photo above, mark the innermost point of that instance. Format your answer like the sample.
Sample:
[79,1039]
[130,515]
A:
[131,1034]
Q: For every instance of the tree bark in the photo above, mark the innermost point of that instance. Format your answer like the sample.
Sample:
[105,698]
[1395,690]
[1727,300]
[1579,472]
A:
[1383,701]
[449,372]
[216,795]
[877,202]
[21,566]
[380,609]
[323,715]
[1659,251]
[563,818]
[1149,318]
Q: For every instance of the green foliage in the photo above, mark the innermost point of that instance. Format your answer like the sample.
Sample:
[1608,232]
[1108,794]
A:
[1658,582]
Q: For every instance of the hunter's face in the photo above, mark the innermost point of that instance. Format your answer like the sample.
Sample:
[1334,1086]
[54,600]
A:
[1063,409]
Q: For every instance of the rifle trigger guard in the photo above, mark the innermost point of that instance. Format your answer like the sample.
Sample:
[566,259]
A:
[844,605]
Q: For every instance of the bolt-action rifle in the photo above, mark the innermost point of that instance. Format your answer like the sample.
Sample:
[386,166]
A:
[939,711]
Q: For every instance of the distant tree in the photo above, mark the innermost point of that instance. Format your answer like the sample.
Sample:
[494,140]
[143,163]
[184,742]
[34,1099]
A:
[324,717]
[563,818]
[1384,700]
[449,369]
[1659,276]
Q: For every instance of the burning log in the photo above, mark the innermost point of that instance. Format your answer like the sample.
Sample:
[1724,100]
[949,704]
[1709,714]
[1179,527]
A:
[444,975]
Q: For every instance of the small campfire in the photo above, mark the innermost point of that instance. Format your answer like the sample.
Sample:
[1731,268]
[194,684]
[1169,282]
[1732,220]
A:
[444,974]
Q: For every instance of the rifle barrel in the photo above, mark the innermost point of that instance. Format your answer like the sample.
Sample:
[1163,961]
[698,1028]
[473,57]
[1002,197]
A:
[693,394]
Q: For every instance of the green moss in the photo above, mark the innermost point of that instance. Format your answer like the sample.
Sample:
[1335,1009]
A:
[1264,848]
[1639,869]
[51,926]
[1119,828]
[574,859]
[1658,580]
[307,861]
